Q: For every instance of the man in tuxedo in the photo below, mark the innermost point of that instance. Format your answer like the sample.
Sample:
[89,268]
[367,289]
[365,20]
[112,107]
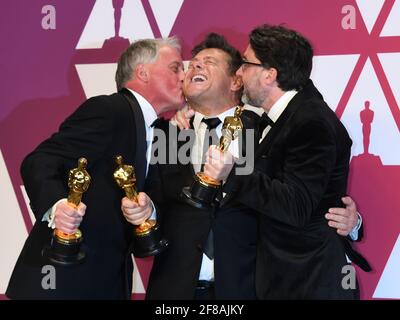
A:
[149,79]
[300,170]
[187,270]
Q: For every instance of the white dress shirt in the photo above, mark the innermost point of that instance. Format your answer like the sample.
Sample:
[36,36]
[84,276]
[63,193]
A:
[277,109]
[207,265]
[149,115]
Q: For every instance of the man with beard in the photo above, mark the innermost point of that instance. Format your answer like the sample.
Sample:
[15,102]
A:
[187,270]
[301,169]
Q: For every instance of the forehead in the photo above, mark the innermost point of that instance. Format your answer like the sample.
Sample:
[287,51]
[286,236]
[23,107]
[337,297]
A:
[249,52]
[212,53]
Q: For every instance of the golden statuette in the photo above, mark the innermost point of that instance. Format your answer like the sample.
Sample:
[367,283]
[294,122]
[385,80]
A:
[231,129]
[147,237]
[78,182]
[126,179]
[64,248]
[202,193]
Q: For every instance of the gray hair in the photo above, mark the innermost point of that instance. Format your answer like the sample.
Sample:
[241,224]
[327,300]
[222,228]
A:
[141,51]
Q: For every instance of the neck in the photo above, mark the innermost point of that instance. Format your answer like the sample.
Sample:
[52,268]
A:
[211,109]
[272,98]
[147,94]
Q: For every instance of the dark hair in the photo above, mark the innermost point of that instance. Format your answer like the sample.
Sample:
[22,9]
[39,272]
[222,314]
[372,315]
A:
[217,41]
[285,50]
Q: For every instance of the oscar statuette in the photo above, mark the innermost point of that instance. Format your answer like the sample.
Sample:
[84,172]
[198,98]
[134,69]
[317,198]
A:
[148,240]
[203,191]
[65,248]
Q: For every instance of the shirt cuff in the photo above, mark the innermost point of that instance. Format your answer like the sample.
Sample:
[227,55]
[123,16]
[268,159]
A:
[154,212]
[354,233]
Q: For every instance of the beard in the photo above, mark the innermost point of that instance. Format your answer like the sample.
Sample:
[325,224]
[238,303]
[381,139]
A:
[252,99]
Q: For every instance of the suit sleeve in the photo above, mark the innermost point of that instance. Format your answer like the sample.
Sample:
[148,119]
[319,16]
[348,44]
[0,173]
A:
[86,133]
[295,192]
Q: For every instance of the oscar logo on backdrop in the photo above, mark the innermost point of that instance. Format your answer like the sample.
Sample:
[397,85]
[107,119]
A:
[366,158]
[117,42]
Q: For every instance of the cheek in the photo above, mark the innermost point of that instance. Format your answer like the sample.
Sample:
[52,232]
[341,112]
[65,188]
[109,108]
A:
[248,82]
[175,84]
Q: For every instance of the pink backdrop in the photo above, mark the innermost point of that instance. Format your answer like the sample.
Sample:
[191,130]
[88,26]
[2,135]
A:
[47,72]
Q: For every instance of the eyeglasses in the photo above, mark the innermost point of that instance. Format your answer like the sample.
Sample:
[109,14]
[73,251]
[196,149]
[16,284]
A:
[244,62]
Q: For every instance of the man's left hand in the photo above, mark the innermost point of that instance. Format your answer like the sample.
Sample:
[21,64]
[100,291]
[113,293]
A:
[343,219]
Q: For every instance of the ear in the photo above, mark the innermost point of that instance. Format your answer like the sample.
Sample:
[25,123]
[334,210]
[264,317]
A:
[141,72]
[270,75]
[236,83]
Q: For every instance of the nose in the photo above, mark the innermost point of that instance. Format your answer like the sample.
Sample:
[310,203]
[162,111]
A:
[198,64]
[239,72]
[181,75]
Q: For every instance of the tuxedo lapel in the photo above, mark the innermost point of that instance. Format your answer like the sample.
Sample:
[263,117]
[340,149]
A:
[188,167]
[141,144]
[279,125]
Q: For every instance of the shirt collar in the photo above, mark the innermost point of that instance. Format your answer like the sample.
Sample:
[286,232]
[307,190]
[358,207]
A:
[148,111]
[280,105]
[198,117]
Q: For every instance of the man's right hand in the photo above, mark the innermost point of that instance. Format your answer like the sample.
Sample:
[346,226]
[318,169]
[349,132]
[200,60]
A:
[137,212]
[67,218]
[182,117]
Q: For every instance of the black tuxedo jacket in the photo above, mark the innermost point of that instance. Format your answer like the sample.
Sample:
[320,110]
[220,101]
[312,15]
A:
[101,128]
[301,169]
[176,271]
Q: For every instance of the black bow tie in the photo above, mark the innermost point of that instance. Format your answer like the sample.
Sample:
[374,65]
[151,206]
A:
[156,123]
[264,122]
[211,123]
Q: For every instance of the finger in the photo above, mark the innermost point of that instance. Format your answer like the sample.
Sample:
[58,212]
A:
[71,212]
[76,221]
[65,208]
[127,203]
[66,227]
[180,117]
[342,232]
[350,204]
[188,114]
[210,171]
[337,225]
[136,213]
[338,211]
[214,153]
[81,209]
[336,218]
[143,199]
[209,168]
[137,222]
[179,123]
[136,218]
[61,216]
